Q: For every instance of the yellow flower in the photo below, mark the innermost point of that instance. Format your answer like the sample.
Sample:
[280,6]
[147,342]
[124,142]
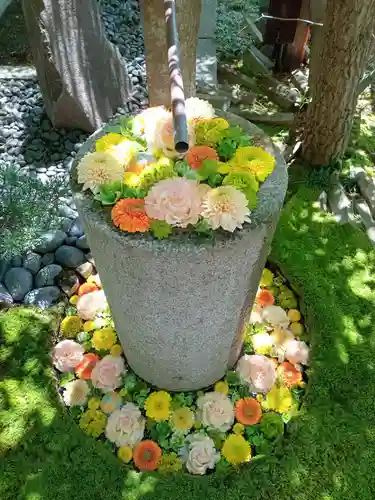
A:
[209,132]
[125,454]
[279,399]
[267,278]
[169,463]
[107,142]
[236,449]
[88,326]
[73,300]
[104,339]
[296,328]
[93,422]
[93,403]
[238,428]
[294,315]
[157,405]
[255,160]
[70,326]
[116,350]
[221,387]
[182,420]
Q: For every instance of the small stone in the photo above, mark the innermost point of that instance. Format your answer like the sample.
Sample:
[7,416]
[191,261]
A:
[85,269]
[66,211]
[5,265]
[71,240]
[47,275]
[82,243]
[90,258]
[32,262]
[66,225]
[51,241]
[69,256]
[6,299]
[48,258]
[18,281]
[68,282]
[17,261]
[43,297]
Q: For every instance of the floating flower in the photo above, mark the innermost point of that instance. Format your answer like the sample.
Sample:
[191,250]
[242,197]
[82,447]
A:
[87,288]
[75,393]
[294,315]
[236,449]
[98,168]
[110,402]
[73,300]
[182,420]
[264,298]
[93,404]
[201,454]
[257,371]
[144,124]
[125,453]
[106,142]
[129,215]
[262,343]
[275,316]
[198,109]
[116,350]
[146,455]
[279,399]
[88,326]
[267,278]
[272,425]
[238,428]
[164,136]
[139,162]
[176,201]
[198,154]
[216,411]
[222,387]
[95,278]
[93,422]
[151,174]
[106,374]
[289,374]
[91,304]
[70,326]
[169,463]
[297,352]
[210,132]
[253,159]
[248,411]
[125,151]
[245,182]
[157,406]
[104,339]
[84,369]
[296,328]
[125,427]
[66,355]
[281,338]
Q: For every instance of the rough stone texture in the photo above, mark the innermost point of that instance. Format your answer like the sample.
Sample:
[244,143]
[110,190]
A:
[43,297]
[18,282]
[367,188]
[82,75]
[85,269]
[68,282]
[180,306]
[6,300]
[47,276]
[32,262]
[69,256]
[51,241]
[363,210]
[206,62]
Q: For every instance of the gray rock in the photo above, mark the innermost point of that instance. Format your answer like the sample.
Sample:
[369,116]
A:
[85,270]
[6,300]
[76,229]
[66,211]
[66,225]
[32,262]
[47,275]
[68,281]
[51,241]
[71,240]
[367,188]
[69,256]
[18,282]
[43,297]
[17,261]
[48,258]
[82,243]
[5,265]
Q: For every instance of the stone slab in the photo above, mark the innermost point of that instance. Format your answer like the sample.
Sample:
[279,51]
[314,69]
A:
[207,24]
[206,65]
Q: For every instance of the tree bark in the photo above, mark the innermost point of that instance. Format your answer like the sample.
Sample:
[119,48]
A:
[188,17]
[317,14]
[343,55]
[82,76]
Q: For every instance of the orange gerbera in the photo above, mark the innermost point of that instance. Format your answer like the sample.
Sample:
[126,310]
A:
[248,411]
[85,367]
[146,455]
[265,298]
[198,154]
[290,375]
[87,288]
[129,215]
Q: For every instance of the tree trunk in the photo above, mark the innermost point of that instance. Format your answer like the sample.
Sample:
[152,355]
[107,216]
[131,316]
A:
[82,76]
[347,33]
[317,14]
[188,17]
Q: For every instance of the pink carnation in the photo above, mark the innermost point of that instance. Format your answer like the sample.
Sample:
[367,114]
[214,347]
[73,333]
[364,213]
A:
[91,304]
[258,371]
[297,352]
[66,355]
[176,201]
[106,374]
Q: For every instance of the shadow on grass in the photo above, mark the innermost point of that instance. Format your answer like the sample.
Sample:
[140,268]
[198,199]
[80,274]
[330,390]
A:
[329,451]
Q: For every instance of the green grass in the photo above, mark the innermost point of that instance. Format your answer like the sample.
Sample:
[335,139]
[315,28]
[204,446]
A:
[329,452]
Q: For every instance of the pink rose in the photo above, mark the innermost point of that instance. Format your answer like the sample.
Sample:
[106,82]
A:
[106,374]
[91,304]
[258,371]
[176,201]
[66,355]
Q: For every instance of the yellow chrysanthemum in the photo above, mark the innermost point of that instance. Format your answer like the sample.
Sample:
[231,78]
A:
[296,328]
[125,454]
[157,406]
[209,132]
[104,339]
[279,399]
[182,420]
[99,168]
[107,142]
[267,278]
[238,428]
[236,449]
[88,326]
[294,315]
[73,300]
[116,350]
[253,159]
[222,387]
[93,422]
[93,403]
[71,326]
[169,463]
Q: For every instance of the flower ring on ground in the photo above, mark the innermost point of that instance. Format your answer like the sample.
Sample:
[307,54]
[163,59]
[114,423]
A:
[201,454]
[182,420]
[236,449]
[125,427]
[106,374]
[248,411]
[157,405]
[146,455]
[76,392]
[85,367]
[66,355]
[215,410]
[257,371]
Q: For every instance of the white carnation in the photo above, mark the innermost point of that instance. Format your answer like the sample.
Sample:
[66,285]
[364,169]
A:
[215,410]
[99,168]
[125,427]
[201,454]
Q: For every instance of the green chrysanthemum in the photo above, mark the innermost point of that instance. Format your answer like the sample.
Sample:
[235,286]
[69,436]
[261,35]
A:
[245,182]
[160,229]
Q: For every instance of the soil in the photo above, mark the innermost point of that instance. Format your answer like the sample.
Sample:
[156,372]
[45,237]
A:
[14,45]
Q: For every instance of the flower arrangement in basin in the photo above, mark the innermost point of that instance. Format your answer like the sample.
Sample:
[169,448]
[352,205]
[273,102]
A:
[151,188]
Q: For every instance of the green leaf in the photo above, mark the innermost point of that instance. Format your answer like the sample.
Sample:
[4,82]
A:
[109,193]
[232,379]
[215,180]
[182,168]
[65,378]
[114,129]
[160,229]
[130,381]
[207,169]
[203,228]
